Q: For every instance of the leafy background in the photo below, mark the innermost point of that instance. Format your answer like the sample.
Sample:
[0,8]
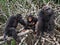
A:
[24,7]
[12,7]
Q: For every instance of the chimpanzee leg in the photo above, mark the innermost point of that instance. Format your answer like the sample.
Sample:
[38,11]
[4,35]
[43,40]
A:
[6,33]
[5,37]
[14,34]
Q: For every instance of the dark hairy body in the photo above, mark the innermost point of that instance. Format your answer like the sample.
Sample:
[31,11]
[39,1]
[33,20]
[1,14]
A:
[31,24]
[11,24]
[45,20]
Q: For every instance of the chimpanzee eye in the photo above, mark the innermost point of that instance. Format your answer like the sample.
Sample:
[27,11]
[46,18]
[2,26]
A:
[48,9]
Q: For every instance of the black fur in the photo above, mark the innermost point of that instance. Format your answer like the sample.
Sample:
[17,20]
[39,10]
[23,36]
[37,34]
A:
[11,25]
[45,20]
[29,24]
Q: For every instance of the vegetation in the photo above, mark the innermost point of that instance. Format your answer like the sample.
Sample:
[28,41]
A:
[24,7]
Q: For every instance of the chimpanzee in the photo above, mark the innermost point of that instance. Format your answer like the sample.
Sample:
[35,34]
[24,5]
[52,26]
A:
[10,28]
[31,22]
[45,20]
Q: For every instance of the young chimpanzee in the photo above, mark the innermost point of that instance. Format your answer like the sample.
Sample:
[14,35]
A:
[31,22]
[11,25]
[45,20]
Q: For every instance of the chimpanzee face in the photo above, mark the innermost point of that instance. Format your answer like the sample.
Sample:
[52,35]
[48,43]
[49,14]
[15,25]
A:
[47,10]
[30,19]
[19,16]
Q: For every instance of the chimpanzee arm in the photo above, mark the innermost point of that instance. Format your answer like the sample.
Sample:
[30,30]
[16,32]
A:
[21,21]
[51,23]
[35,20]
[40,22]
